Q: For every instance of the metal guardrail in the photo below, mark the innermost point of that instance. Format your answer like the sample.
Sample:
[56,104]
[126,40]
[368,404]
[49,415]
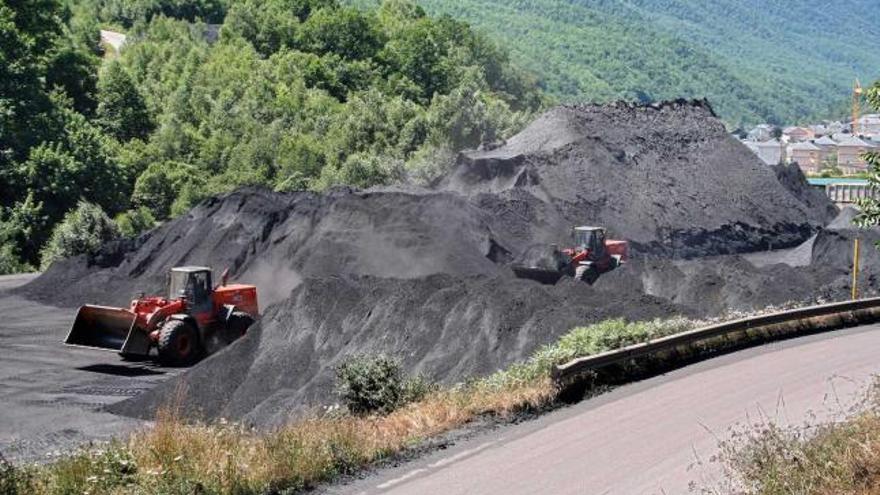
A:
[836,315]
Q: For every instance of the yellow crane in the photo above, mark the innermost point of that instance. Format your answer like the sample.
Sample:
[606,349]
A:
[856,106]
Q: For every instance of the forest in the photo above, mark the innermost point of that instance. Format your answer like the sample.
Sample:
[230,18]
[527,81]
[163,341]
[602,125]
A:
[757,61]
[210,95]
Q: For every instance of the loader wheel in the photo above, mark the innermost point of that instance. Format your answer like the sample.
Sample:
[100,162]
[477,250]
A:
[238,324]
[178,343]
[588,274]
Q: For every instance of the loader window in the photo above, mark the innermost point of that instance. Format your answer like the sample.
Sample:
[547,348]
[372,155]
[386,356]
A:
[178,284]
[201,286]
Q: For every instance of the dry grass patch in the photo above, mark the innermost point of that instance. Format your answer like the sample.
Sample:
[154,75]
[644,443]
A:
[836,458]
[176,457]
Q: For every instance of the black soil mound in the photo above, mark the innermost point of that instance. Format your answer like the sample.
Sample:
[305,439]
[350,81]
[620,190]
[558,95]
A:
[443,326]
[667,177]
[424,274]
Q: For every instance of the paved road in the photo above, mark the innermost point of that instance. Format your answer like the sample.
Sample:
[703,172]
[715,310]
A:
[50,394]
[656,436]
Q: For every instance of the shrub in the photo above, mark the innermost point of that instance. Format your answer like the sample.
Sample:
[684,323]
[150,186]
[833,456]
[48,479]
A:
[376,384]
[82,231]
[370,384]
[10,262]
[13,481]
[132,223]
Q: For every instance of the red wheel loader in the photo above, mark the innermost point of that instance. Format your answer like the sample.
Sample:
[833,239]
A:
[591,256]
[195,319]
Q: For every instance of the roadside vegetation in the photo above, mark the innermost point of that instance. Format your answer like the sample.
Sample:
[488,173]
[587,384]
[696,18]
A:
[285,94]
[839,457]
[385,414]
[869,214]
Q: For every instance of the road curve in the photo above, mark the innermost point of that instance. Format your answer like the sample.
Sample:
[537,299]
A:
[655,436]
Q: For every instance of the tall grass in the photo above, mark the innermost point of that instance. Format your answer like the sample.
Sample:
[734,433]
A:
[175,457]
[838,457]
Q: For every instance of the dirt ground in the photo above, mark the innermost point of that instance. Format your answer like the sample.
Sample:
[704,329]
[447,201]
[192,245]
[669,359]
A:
[51,395]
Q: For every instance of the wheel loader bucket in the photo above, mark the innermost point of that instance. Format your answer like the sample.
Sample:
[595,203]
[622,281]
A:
[108,328]
[542,275]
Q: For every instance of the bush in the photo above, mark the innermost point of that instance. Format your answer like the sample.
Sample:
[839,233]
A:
[82,231]
[376,384]
[370,384]
[132,223]
[13,481]
[10,262]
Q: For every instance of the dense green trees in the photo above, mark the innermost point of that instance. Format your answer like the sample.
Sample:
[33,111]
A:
[782,62]
[292,94]
[82,231]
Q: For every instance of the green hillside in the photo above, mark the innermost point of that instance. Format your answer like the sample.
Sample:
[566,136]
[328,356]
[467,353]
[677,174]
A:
[755,60]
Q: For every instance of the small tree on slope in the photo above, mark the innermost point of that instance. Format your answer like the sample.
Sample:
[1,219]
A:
[870,207]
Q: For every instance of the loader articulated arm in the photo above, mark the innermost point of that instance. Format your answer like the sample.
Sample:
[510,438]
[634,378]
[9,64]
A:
[151,321]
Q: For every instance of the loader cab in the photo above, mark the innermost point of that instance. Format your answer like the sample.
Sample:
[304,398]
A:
[194,283]
[592,238]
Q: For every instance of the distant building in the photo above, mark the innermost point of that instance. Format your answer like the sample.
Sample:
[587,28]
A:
[797,134]
[850,155]
[770,152]
[869,125]
[807,155]
[763,132]
[836,127]
[828,150]
[819,130]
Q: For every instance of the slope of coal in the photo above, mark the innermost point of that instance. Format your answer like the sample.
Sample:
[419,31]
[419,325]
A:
[667,177]
[274,240]
[443,326]
[423,273]
[818,270]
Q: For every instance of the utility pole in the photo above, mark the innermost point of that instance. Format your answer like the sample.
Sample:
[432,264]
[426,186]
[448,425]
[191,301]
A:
[855,279]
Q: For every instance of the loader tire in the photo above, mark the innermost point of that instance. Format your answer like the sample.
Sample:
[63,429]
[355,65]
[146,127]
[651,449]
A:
[178,343]
[588,274]
[238,324]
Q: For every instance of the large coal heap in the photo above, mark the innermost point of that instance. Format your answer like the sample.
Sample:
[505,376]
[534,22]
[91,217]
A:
[667,177]
[443,326]
[424,273]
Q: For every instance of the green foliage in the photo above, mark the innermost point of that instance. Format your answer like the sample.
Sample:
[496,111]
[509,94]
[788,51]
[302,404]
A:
[121,111]
[129,12]
[82,231]
[14,480]
[21,228]
[661,49]
[160,185]
[586,341]
[292,95]
[869,208]
[132,223]
[371,384]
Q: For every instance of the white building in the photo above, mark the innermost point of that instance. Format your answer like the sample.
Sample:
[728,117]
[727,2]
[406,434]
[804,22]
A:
[770,152]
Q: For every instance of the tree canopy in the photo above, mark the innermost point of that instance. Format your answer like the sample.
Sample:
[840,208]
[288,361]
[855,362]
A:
[209,95]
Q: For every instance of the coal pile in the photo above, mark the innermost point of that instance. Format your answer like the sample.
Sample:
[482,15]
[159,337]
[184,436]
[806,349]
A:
[425,273]
[666,177]
[442,326]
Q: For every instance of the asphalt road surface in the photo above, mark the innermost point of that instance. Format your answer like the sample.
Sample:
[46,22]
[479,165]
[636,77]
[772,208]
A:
[655,436]
[51,394]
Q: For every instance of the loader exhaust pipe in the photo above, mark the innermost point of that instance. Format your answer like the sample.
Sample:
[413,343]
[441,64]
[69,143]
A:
[114,329]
